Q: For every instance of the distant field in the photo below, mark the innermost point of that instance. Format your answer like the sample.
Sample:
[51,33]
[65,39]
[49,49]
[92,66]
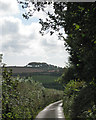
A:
[48,81]
[44,78]
[29,71]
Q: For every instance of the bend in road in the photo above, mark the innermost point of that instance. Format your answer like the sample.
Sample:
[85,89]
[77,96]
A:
[53,111]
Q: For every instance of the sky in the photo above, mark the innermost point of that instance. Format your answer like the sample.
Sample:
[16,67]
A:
[20,41]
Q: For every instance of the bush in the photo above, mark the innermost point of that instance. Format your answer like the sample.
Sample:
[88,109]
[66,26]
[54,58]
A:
[79,101]
[23,98]
[9,94]
[84,104]
[71,91]
[69,74]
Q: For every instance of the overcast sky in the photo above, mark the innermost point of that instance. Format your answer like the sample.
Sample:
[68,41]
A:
[20,41]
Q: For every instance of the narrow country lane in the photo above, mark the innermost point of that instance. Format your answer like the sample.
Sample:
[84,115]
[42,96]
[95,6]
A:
[53,111]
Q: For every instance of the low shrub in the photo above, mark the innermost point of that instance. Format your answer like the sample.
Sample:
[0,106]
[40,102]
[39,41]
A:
[72,90]
[23,98]
[84,104]
[79,101]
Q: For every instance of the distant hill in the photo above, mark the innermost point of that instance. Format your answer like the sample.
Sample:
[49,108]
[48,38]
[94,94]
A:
[41,65]
[36,68]
[44,73]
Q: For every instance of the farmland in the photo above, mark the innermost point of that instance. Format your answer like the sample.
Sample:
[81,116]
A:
[48,81]
[36,68]
[41,72]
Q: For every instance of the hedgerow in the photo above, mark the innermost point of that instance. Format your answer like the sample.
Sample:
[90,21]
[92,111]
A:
[79,101]
[23,98]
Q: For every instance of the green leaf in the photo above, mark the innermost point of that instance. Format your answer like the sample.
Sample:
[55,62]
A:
[77,65]
[77,90]
[77,27]
[81,8]
[70,35]
[83,35]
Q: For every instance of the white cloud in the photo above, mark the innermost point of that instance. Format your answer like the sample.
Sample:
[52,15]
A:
[24,43]
[25,40]
[8,7]
[9,25]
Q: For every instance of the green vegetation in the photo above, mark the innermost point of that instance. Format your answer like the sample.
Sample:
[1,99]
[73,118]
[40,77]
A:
[71,91]
[44,78]
[23,98]
[85,101]
[80,26]
[79,101]
[78,20]
[48,81]
[44,73]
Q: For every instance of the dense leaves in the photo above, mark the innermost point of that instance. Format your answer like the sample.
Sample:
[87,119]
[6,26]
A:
[79,101]
[81,30]
[71,91]
[23,98]
[9,94]
[86,109]
[69,74]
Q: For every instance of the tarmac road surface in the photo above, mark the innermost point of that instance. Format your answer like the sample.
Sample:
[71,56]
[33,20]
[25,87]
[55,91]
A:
[53,111]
